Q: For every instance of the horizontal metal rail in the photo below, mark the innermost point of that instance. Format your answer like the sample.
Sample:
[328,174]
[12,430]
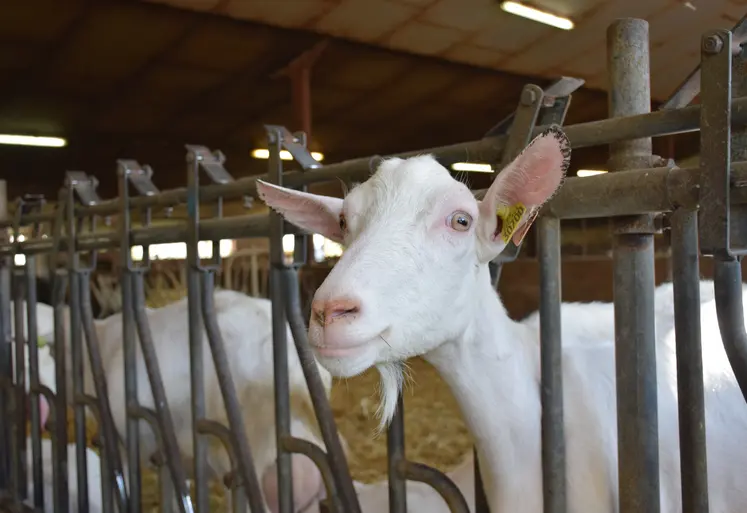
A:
[489,149]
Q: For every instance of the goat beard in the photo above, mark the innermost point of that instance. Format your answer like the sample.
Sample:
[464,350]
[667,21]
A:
[392,379]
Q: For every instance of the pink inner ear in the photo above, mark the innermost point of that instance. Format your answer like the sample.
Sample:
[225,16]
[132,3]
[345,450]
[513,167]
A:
[542,169]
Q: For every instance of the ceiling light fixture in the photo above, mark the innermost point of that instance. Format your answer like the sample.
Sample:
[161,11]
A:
[589,172]
[536,15]
[30,140]
[472,167]
[264,153]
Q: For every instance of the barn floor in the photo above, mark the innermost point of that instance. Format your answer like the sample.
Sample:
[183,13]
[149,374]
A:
[434,430]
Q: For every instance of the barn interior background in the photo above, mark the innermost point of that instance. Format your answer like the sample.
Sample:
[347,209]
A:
[134,79]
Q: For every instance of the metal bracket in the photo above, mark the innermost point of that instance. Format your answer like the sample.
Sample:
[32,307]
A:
[139,176]
[84,186]
[535,108]
[561,88]
[211,162]
[295,144]
[715,144]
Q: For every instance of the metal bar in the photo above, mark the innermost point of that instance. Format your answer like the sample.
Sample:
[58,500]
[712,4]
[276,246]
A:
[727,279]
[490,149]
[36,427]
[60,490]
[635,343]
[164,421]
[690,87]
[551,371]
[279,335]
[107,426]
[6,366]
[130,348]
[76,344]
[19,444]
[196,364]
[325,418]
[230,399]
[691,402]
[321,460]
[445,487]
[395,444]
[715,144]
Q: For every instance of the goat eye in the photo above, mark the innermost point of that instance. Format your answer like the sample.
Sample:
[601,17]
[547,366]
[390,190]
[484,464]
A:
[342,222]
[460,221]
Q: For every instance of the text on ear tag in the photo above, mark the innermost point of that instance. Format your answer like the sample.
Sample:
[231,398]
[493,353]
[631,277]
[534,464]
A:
[511,217]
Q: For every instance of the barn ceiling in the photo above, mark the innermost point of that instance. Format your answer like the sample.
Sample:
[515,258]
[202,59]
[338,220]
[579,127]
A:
[132,79]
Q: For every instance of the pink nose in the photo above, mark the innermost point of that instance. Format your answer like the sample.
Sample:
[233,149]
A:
[327,312]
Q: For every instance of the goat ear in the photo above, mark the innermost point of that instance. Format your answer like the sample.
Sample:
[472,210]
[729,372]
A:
[311,212]
[518,192]
[307,484]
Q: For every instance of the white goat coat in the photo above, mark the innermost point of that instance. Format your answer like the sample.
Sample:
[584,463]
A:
[590,409]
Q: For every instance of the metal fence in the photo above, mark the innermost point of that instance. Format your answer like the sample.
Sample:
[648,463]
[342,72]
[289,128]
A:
[702,206]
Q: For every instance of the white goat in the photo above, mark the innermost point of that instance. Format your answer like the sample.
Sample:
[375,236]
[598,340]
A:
[414,280]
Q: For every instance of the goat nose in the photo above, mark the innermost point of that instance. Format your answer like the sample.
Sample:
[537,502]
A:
[326,312]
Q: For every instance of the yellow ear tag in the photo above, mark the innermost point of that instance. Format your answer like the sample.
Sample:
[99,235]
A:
[41,341]
[511,217]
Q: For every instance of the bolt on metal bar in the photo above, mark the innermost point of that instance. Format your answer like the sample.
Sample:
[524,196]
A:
[551,372]
[633,257]
[690,389]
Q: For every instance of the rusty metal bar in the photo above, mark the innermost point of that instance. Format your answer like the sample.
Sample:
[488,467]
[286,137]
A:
[635,343]
[551,370]
[691,401]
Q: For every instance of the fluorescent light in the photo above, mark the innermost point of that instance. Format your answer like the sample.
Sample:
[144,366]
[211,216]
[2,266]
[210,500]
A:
[472,167]
[264,153]
[589,172]
[536,15]
[29,140]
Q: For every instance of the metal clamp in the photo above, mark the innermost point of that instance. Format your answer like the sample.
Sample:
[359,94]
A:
[82,185]
[715,144]
[295,143]
[536,107]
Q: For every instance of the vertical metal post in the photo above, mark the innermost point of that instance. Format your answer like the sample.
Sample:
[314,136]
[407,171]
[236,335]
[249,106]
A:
[395,444]
[76,344]
[637,424]
[19,444]
[36,427]
[196,367]
[5,352]
[130,347]
[553,441]
[691,402]
[279,338]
